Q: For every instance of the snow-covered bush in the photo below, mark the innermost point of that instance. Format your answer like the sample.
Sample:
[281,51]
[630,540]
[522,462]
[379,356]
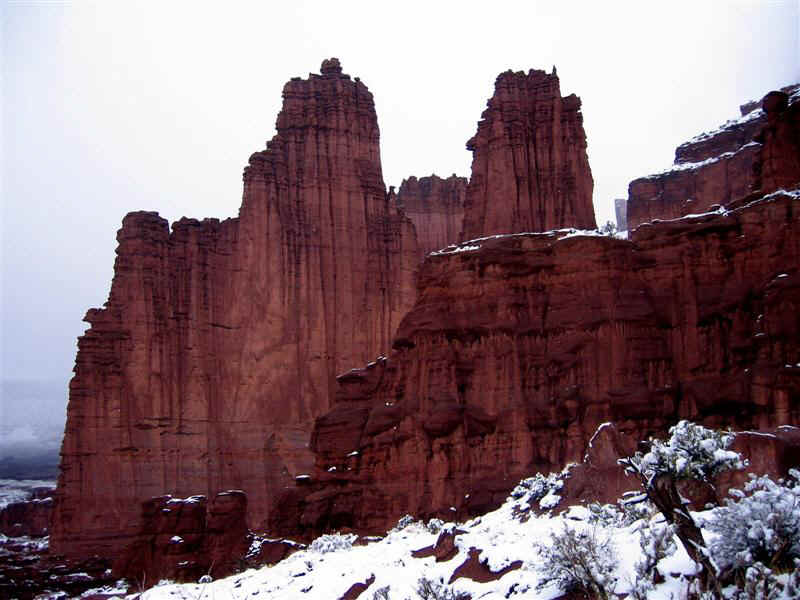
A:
[621,514]
[404,522]
[656,543]
[691,452]
[381,593]
[575,560]
[434,525]
[759,525]
[427,589]
[333,542]
[541,489]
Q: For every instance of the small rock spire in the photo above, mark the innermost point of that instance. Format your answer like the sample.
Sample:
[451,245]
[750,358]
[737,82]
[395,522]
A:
[330,66]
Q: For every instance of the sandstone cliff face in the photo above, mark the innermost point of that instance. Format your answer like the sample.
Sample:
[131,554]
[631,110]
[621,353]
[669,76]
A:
[220,341]
[530,171]
[760,152]
[519,347]
[435,207]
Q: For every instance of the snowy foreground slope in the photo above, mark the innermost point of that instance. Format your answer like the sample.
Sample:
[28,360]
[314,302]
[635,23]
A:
[322,572]
[331,565]
[529,548]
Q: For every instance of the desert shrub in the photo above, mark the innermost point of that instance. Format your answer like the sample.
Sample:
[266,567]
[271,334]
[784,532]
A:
[427,589]
[760,525]
[691,452]
[610,228]
[578,561]
[539,488]
[435,525]
[404,522]
[332,543]
[381,593]
[656,543]
[621,514]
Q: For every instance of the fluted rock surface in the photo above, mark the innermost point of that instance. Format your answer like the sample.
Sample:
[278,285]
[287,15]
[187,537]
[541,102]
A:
[757,153]
[436,207]
[220,341]
[530,171]
[520,346]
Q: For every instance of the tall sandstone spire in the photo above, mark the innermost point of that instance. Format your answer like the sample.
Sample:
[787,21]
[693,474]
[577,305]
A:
[220,341]
[530,171]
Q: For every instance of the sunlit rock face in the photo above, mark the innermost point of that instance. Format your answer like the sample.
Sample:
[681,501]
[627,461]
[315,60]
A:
[757,153]
[520,346]
[436,207]
[530,171]
[220,341]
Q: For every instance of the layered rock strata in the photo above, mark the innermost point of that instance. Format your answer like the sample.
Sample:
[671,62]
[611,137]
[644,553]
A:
[520,346]
[530,171]
[760,152]
[436,207]
[220,340]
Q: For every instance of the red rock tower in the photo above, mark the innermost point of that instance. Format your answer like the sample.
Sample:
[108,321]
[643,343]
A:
[530,171]
[220,341]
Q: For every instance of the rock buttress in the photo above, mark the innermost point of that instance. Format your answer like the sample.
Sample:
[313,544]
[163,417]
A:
[530,171]
[220,341]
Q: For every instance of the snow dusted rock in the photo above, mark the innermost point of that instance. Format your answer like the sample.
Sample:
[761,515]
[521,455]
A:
[530,171]
[220,341]
[184,539]
[358,588]
[759,152]
[30,517]
[478,570]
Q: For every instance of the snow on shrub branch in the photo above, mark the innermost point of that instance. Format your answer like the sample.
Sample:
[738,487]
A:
[691,452]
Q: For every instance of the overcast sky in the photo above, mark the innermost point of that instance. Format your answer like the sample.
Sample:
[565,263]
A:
[114,107]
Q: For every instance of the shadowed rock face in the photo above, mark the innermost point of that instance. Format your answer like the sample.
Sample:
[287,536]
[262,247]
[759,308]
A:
[759,153]
[530,171]
[220,341]
[436,207]
[518,350]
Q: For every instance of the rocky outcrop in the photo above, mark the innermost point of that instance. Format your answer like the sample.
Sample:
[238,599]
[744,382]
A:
[29,517]
[760,152]
[530,171]
[220,340]
[183,539]
[520,346]
[435,207]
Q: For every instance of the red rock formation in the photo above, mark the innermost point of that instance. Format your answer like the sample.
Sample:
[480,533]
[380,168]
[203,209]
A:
[436,207]
[28,517]
[758,152]
[220,341]
[517,350]
[530,171]
[184,539]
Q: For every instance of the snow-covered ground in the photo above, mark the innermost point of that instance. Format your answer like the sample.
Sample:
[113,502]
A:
[328,568]
[19,490]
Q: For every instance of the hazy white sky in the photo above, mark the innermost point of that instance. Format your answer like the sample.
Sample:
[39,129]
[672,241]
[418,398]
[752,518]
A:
[112,107]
